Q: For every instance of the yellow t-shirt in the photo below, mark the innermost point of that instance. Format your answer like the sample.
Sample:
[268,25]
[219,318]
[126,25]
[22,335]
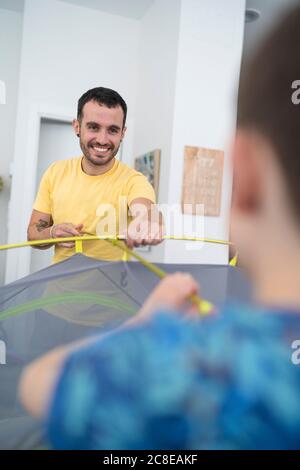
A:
[70,195]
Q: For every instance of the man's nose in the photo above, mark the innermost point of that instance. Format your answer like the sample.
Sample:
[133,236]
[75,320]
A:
[102,136]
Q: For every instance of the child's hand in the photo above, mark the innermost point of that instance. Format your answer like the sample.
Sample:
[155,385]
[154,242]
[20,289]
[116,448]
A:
[172,292]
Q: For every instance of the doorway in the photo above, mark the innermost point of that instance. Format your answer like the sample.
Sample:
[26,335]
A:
[57,142]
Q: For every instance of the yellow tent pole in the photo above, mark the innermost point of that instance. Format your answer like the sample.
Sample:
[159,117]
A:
[78,246]
[232,262]
[96,237]
[197,239]
[48,241]
[204,306]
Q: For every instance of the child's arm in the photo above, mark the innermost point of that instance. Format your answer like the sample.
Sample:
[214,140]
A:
[40,377]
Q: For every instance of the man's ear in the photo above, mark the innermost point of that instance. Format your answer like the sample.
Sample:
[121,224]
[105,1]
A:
[123,133]
[247,176]
[76,126]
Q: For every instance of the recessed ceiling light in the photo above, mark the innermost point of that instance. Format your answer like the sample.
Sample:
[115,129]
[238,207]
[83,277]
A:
[251,15]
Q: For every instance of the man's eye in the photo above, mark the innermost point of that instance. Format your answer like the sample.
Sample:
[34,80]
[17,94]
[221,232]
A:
[93,127]
[113,131]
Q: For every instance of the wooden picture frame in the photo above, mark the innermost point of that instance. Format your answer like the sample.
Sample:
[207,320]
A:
[202,181]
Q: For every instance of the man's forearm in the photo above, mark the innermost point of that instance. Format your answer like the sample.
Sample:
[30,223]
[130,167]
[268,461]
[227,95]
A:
[40,231]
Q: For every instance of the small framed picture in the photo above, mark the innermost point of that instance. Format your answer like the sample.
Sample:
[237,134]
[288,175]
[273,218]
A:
[148,164]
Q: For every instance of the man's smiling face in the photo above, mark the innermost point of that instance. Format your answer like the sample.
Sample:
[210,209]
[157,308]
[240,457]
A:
[101,132]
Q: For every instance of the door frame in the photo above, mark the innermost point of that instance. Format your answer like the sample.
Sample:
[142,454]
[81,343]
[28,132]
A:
[23,173]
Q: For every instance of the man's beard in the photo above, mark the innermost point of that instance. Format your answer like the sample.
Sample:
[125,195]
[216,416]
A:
[99,161]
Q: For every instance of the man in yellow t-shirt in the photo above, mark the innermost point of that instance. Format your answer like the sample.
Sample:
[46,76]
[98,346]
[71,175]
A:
[79,195]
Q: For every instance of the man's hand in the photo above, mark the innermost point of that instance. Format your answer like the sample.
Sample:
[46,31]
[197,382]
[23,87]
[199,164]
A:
[41,227]
[172,292]
[66,230]
[147,227]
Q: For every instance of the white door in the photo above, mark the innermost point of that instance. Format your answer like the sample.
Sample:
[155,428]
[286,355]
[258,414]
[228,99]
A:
[57,142]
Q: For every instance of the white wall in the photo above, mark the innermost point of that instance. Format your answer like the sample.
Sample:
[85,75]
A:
[65,51]
[189,64]
[210,47]
[158,54]
[10,50]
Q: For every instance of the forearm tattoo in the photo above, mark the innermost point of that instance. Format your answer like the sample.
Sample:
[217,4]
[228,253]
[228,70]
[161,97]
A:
[42,225]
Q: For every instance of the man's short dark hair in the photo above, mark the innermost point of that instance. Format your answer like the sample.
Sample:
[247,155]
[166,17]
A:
[265,98]
[103,96]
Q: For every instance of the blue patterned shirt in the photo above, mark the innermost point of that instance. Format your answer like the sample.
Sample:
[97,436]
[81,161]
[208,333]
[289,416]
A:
[225,382]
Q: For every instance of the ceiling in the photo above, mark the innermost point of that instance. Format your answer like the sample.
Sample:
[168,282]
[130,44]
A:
[135,9]
[14,5]
[270,10]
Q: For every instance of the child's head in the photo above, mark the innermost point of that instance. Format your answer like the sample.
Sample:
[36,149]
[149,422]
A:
[266,199]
